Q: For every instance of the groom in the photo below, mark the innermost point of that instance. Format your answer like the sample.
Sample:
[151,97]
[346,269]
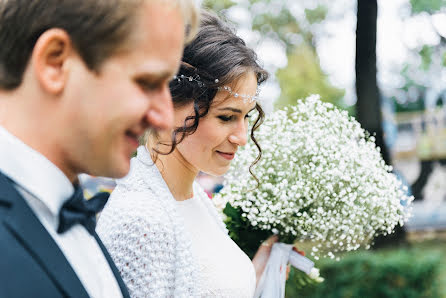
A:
[80,81]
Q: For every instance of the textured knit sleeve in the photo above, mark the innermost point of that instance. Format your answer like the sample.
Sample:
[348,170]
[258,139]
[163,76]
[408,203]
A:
[141,243]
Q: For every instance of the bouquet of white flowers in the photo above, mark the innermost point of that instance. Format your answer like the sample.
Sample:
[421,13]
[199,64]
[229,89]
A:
[322,180]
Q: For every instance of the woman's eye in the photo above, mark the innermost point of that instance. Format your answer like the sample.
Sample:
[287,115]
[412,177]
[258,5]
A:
[248,116]
[225,118]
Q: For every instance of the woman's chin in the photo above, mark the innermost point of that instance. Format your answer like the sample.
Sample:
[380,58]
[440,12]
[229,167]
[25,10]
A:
[217,172]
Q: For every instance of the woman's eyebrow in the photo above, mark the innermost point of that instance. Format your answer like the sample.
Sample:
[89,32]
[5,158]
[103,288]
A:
[230,109]
[234,109]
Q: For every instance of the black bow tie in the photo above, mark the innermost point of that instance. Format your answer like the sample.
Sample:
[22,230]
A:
[79,210]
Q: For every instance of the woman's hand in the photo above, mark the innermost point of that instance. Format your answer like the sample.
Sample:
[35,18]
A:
[301,252]
[262,255]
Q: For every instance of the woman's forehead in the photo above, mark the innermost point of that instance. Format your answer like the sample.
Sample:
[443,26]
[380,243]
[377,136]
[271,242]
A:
[246,84]
[226,100]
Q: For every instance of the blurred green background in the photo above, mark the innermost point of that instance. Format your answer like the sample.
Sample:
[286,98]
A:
[383,61]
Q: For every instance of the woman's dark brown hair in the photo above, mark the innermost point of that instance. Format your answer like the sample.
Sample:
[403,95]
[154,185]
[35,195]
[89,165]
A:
[216,53]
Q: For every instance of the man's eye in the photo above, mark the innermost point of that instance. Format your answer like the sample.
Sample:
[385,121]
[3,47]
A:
[145,85]
[225,118]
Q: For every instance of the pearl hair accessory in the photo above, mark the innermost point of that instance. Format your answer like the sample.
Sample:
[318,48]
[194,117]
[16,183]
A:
[245,97]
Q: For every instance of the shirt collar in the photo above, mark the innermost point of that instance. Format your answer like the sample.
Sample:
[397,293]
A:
[33,172]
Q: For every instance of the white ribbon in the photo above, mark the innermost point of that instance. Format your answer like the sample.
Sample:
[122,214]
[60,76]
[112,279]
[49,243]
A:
[272,281]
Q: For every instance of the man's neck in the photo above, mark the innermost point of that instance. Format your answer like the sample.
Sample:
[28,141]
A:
[24,122]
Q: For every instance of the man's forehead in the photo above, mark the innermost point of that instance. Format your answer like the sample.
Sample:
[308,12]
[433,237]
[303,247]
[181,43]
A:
[157,42]
[157,67]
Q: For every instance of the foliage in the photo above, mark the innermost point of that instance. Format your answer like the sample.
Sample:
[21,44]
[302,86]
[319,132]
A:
[302,77]
[421,72]
[218,5]
[410,106]
[247,237]
[303,74]
[317,14]
[394,273]
[284,27]
[430,6]
[426,56]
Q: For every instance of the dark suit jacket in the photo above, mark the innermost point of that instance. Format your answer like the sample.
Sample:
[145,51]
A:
[31,263]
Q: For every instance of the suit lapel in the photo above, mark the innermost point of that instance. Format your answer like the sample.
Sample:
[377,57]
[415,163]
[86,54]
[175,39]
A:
[115,270]
[27,229]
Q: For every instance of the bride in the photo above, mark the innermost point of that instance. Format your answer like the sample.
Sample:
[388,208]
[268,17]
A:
[159,226]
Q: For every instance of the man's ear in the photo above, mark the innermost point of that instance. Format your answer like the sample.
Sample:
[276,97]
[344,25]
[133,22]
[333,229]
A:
[49,58]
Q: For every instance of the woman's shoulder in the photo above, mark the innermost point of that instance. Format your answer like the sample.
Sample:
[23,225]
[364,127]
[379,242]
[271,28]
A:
[133,211]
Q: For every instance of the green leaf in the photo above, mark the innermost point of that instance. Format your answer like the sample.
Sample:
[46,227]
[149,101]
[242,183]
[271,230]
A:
[303,76]
[429,6]
[247,237]
[426,57]
[316,15]
[232,212]
[218,5]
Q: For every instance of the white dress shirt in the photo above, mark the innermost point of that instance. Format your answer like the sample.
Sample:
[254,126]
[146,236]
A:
[46,188]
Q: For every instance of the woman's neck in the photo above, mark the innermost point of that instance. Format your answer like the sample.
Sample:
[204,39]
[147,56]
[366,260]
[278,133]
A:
[178,174]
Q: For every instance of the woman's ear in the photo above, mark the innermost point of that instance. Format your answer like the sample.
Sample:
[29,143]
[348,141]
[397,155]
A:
[48,60]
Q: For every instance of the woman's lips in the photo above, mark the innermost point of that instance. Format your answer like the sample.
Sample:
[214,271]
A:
[225,155]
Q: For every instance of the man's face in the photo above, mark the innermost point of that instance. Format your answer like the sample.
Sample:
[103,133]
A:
[110,110]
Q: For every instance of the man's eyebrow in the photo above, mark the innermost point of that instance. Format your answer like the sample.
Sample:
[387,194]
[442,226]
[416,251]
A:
[165,75]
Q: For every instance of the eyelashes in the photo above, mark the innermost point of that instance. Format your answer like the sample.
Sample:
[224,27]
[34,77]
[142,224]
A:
[225,118]
[230,118]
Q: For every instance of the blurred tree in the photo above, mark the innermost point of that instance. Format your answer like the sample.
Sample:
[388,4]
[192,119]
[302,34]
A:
[316,15]
[423,77]
[218,5]
[302,75]
[429,6]
[368,105]
[422,72]
[414,94]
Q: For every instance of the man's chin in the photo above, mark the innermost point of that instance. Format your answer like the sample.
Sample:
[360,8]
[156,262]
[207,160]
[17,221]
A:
[123,171]
[118,169]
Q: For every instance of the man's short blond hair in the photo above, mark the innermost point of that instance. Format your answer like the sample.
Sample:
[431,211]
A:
[191,15]
[97,28]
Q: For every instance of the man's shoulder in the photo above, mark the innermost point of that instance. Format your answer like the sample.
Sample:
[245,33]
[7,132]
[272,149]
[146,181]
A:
[20,273]
[12,251]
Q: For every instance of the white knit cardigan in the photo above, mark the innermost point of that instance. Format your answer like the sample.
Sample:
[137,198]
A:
[145,235]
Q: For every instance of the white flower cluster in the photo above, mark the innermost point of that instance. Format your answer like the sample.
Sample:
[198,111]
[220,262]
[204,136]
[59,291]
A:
[315,275]
[322,179]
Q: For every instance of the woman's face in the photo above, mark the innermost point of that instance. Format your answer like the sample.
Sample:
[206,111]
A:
[219,134]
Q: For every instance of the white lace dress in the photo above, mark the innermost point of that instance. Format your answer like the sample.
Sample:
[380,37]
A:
[165,248]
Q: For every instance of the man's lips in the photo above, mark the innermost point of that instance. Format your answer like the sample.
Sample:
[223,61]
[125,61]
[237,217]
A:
[133,137]
[227,155]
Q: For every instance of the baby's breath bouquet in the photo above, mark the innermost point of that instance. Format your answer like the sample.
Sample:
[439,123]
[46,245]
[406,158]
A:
[322,180]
